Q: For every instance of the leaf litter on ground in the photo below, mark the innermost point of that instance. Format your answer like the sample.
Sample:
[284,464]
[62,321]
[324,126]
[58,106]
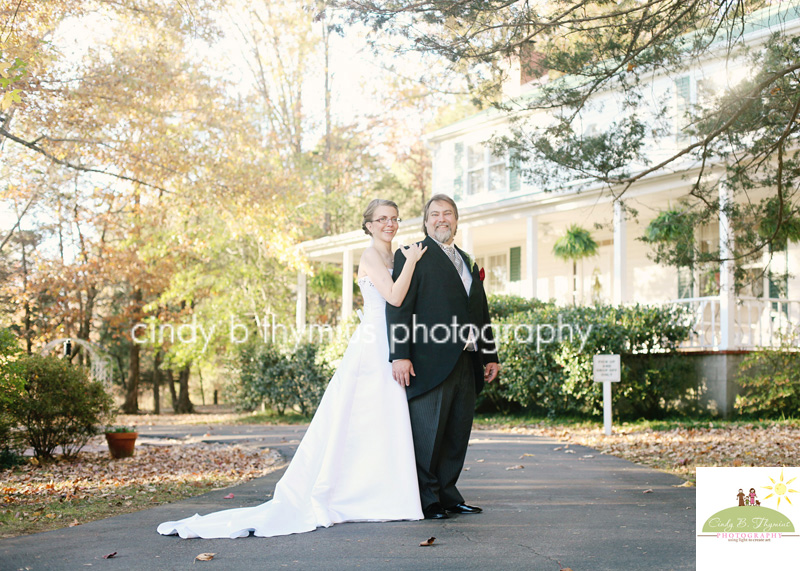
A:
[680,450]
[29,494]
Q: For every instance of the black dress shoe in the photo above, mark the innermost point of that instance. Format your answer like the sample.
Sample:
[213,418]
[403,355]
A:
[435,511]
[463,509]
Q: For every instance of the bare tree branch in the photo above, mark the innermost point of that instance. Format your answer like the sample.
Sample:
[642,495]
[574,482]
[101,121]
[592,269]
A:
[33,146]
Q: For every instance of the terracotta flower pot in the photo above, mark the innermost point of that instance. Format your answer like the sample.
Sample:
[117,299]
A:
[121,444]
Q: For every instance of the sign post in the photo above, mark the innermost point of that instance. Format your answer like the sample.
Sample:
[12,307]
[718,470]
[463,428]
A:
[606,370]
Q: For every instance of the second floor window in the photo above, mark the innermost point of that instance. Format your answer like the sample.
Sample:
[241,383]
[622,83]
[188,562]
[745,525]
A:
[485,170]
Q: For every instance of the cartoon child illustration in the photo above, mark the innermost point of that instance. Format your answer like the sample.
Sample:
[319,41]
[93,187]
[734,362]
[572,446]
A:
[753,496]
[740,495]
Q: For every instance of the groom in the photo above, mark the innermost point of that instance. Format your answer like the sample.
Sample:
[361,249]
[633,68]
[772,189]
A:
[442,350]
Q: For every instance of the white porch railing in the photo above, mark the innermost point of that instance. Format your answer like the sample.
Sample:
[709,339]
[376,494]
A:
[757,321]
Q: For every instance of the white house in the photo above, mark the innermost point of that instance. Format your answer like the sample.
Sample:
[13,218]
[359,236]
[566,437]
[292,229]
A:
[510,226]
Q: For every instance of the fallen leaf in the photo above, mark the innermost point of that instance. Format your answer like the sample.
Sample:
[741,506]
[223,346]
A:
[567,569]
[737,462]
[110,555]
[205,557]
[648,492]
[558,448]
[686,484]
[228,497]
[74,523]
[480,460]
[518,467]
[428,542]
[526,454]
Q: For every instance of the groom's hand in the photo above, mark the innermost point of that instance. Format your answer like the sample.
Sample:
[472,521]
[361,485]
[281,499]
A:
[490,372]
[402,371]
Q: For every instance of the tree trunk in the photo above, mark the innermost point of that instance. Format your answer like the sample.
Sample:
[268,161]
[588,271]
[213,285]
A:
[28,321]
[131,405]
[172,395]
[574,282]
[85,325]
[202,390]
[157,383]
[327,225]
[185,406]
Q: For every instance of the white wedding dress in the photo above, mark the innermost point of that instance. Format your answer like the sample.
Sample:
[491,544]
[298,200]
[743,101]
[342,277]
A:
[356,460]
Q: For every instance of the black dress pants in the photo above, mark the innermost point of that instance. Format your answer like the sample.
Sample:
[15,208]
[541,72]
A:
[441,422]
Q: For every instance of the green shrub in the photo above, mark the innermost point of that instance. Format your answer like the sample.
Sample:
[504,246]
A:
[770,381]
[503,306]
[334,343]
[531,375]
[547,355]
[59,405]
[281,380]
[11,385]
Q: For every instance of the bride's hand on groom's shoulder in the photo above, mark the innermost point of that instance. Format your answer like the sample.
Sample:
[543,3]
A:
[413,252]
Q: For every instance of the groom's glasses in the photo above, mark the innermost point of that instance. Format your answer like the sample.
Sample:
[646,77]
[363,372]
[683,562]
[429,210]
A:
[383,220]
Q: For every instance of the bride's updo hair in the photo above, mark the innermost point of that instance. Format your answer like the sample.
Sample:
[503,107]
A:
[370,211]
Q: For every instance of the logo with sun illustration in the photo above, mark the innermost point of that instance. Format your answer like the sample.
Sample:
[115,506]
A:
[780,490]
[747,510]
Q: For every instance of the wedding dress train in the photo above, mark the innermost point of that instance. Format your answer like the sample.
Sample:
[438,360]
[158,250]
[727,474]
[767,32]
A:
[356,460]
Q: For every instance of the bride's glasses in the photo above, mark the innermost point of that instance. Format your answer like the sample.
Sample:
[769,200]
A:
[383,220]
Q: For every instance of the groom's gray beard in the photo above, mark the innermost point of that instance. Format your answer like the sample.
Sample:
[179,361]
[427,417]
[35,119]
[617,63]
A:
[443,235]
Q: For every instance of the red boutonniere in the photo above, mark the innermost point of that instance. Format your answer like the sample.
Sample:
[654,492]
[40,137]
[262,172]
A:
[482,274]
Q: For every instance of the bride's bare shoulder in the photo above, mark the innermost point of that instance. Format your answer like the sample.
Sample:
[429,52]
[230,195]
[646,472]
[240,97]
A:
[369,257]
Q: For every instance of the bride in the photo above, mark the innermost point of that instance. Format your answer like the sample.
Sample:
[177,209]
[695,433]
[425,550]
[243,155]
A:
[356,460]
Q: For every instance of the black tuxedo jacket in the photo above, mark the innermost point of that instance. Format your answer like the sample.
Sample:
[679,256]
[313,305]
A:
[429,326]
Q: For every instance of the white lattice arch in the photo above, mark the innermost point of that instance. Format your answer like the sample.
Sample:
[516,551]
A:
[101,369]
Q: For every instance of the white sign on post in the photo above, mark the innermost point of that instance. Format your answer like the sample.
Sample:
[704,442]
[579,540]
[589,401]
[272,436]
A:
[606,370]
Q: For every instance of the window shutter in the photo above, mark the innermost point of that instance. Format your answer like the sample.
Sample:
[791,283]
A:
[458,170]
[515,264]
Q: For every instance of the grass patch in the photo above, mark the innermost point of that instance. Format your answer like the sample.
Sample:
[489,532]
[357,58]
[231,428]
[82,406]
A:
[271,417]
[488,421]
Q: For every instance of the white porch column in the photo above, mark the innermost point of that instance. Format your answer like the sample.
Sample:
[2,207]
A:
[532,255]
[302,301]
[466,239]
[620,291]
[347,284]
[727,299]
